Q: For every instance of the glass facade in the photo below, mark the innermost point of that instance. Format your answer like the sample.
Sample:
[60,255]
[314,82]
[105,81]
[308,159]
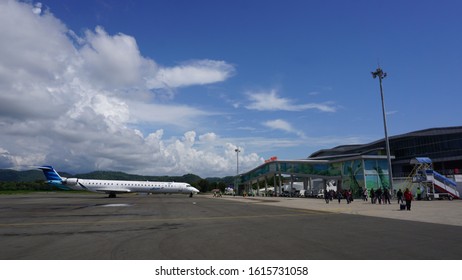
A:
[354,174]
[444,148]
[365,173]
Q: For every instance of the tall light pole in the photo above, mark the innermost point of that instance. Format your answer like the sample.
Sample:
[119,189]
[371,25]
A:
[237,169]
[380,74]
[237,160]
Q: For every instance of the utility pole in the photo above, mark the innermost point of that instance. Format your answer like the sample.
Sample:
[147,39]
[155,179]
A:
[380,74]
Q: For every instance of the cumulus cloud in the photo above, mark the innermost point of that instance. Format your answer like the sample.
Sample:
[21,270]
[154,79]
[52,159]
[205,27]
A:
[111,60]
[84,102]
[270,101]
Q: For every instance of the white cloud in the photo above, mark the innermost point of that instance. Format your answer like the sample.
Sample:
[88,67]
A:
[164,114]
[279,124]
[270,101]
[111,60]
[37,9]
[208,137]
[83,103]
[282,125]
[197,72]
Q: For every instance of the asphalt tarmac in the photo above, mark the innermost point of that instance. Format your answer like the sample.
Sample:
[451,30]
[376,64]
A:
[70,226]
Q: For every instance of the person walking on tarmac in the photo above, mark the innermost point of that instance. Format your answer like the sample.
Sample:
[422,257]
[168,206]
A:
[326,196]
[372,196]
[378,195]
[408,198]
[339,195]
[399,194]
[386,196]
[365,194]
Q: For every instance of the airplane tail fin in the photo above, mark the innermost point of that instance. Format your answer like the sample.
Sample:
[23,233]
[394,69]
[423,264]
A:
[53,177]
[50,173]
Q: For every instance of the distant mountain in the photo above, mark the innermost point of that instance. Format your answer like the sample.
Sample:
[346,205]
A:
[8,175]
[228,180]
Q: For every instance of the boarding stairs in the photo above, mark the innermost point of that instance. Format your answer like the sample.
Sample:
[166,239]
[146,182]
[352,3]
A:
[431,182]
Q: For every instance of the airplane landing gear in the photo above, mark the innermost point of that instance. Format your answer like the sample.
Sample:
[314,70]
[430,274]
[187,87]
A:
[112,195]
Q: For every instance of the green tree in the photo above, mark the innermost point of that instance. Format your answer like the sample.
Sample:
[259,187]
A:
[203,185]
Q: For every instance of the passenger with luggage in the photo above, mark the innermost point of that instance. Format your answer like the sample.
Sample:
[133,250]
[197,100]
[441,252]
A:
[408,198]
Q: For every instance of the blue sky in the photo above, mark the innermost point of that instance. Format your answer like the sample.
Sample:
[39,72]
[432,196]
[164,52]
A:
[173,87]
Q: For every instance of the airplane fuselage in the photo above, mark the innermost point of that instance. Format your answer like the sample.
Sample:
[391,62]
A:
[113,187]
[107,186]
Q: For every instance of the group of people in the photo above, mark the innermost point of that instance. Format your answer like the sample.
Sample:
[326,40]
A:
[331,195]
[216,194]
[377,195]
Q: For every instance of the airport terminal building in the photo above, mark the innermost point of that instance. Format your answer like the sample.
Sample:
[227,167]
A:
[356,167]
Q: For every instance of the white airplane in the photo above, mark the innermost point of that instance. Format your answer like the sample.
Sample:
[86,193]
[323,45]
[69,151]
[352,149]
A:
[113,187]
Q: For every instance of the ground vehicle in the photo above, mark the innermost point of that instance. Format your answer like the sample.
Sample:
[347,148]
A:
[432,196]
[310,193]
[320,194]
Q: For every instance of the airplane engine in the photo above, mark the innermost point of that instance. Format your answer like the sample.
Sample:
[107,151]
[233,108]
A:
[71,181]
